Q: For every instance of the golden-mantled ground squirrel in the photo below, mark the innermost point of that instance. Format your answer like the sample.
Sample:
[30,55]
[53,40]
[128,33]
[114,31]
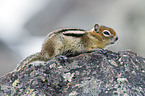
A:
[65,41]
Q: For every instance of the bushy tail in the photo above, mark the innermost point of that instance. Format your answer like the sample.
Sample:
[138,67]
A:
[34,57]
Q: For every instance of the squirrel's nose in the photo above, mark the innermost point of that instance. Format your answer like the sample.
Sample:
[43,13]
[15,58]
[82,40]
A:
[116,38]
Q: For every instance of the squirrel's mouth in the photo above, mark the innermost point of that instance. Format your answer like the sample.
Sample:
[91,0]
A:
[114,40]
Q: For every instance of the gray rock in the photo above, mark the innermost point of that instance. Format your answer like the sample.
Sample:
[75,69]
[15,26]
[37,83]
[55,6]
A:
[99,73]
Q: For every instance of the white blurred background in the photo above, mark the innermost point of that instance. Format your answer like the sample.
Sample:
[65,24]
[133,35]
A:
[25,23]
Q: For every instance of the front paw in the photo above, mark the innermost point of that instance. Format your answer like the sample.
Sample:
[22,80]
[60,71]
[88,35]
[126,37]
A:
[61,58]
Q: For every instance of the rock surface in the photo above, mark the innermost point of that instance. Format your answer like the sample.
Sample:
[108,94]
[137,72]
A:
[99,73]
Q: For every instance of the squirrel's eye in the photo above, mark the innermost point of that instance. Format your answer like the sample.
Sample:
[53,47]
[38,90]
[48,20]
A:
[106,33]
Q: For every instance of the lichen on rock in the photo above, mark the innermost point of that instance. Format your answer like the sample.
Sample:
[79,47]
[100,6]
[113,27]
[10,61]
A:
[99,73]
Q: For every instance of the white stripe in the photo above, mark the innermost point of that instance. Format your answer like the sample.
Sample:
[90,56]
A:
[74,32]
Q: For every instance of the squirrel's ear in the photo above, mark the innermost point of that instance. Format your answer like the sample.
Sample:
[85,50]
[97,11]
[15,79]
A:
[96,27]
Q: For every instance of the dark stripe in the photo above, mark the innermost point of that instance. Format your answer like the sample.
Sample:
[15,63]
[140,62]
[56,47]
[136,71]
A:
[68,29]
[73,35]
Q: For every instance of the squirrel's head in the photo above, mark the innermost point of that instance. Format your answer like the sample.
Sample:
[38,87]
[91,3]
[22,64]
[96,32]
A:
[105,34]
